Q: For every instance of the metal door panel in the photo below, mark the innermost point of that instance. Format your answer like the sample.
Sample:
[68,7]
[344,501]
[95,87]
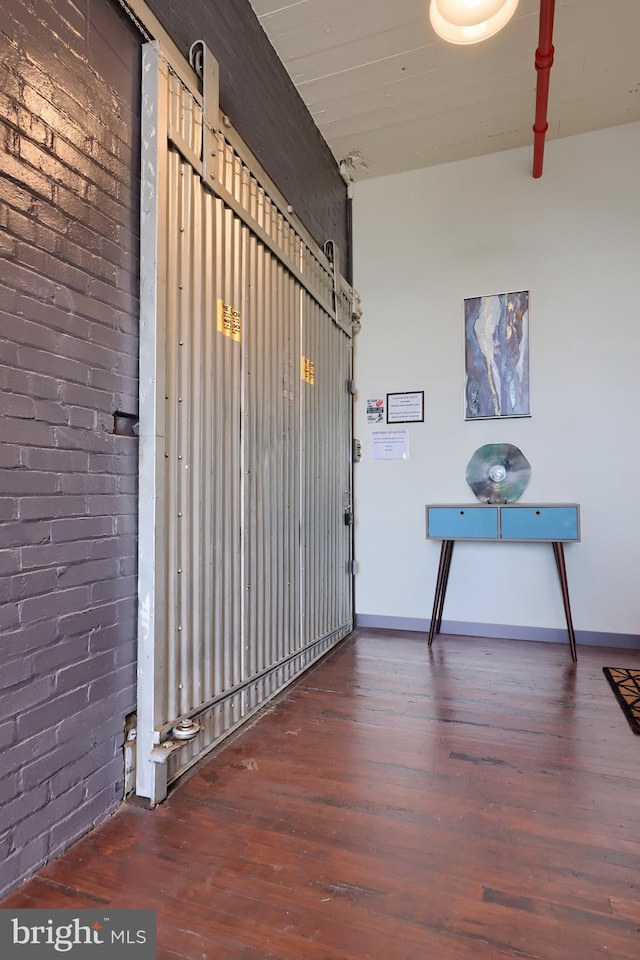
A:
[245,572]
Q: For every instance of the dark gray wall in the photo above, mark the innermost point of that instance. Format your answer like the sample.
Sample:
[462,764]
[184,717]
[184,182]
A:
[264,107]
[69,157]
[69,197]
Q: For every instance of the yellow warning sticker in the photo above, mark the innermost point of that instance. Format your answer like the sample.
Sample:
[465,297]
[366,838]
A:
[308,370]
[228,321]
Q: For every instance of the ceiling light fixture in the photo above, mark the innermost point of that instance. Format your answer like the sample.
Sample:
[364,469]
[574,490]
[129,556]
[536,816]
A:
[470,21]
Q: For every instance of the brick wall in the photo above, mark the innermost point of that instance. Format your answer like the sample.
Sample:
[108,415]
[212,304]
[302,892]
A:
[69,157]
[266,110]
[69,196]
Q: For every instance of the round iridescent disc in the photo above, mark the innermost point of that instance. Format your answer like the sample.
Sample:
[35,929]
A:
[498,473]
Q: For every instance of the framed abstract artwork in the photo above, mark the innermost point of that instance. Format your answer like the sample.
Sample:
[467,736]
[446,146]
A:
[496,344]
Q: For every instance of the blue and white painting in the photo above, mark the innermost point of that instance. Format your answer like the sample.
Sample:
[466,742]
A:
[497,355]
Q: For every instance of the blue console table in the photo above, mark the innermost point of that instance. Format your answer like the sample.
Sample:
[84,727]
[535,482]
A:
[555,523]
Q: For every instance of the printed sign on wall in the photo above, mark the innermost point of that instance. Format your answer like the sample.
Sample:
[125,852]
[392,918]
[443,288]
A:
[375,410]
[390,444]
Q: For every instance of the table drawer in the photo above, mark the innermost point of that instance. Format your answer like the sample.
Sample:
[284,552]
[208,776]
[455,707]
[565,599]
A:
[462,523]
[540,523]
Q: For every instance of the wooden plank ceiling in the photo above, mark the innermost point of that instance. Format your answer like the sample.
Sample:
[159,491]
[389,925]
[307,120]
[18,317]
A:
[389,95]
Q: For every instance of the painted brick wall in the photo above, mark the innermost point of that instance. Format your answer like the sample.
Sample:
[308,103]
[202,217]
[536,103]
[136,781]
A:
[69,95]
[265,108]
[69,195]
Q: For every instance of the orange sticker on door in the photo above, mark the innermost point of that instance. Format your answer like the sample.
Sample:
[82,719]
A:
[228,321]
[307,370]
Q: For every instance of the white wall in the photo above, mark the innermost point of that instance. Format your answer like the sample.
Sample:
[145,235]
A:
[424,241]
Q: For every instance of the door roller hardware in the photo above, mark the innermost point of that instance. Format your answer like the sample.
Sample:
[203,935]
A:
[186,730]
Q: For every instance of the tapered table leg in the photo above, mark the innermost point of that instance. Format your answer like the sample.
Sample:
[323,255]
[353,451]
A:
[441,588]
[558,550]
[436,596]
[445,581]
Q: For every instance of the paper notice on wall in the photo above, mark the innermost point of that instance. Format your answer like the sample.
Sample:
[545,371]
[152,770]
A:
[375,411]
[390,444]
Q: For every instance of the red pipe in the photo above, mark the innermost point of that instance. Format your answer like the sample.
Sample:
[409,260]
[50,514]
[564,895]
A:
[544,62]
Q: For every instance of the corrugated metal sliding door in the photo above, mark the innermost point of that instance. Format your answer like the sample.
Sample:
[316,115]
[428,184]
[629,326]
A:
[245,435]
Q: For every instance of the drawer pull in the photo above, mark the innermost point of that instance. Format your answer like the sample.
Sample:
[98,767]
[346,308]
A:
[537,513]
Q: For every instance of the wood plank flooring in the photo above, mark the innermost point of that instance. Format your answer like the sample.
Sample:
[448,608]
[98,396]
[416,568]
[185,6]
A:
[477,802]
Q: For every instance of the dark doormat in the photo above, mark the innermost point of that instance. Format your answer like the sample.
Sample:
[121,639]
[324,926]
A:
[626,686]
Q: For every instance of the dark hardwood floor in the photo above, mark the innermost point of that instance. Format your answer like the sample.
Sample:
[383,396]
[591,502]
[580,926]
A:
[478,802]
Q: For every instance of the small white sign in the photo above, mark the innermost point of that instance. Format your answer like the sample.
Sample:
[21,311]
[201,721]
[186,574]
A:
[405,407]
[375,411]
[390,444]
